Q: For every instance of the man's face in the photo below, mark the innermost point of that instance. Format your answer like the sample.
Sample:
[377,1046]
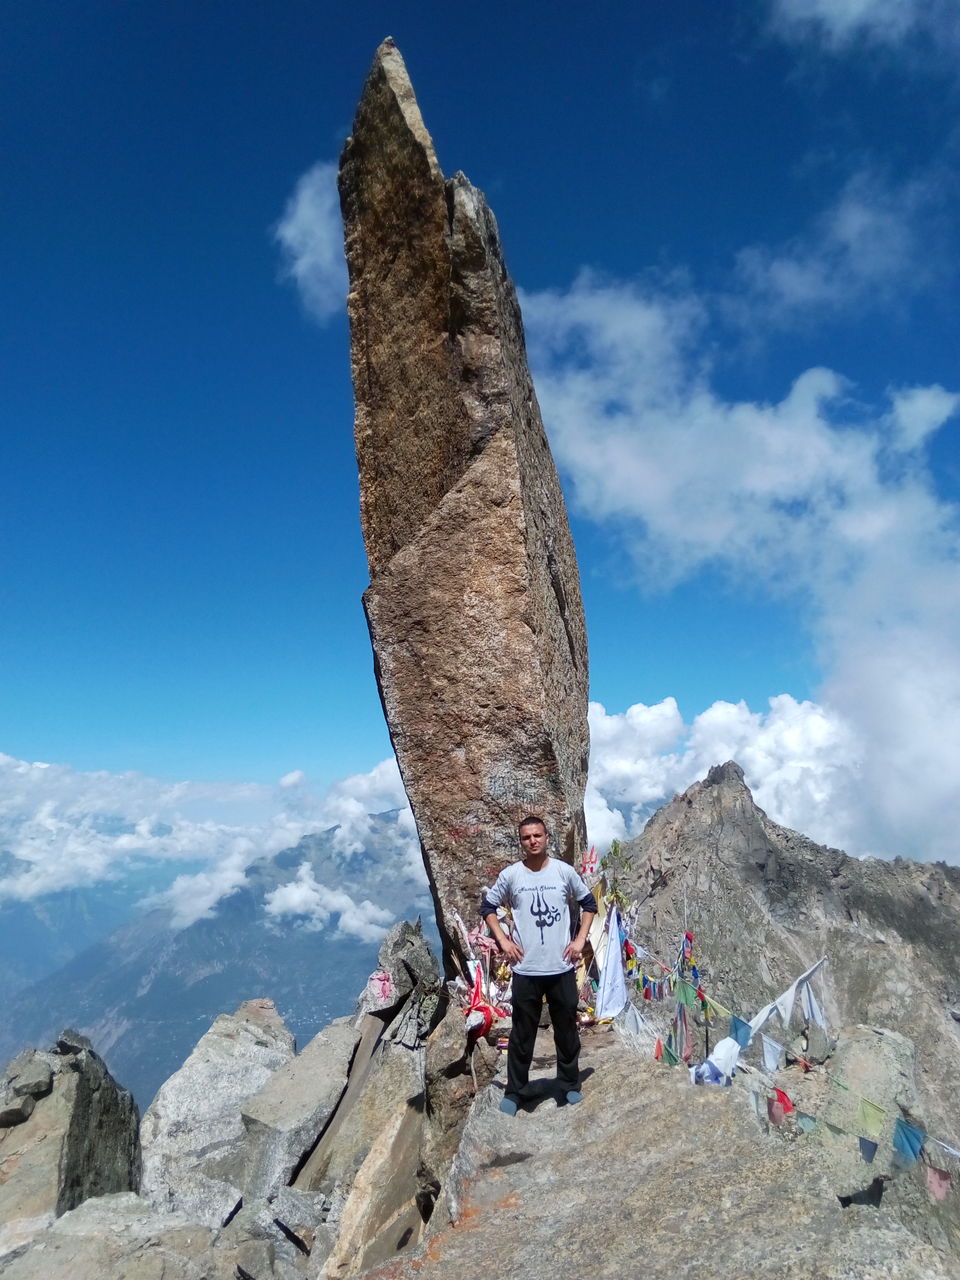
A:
[533,839]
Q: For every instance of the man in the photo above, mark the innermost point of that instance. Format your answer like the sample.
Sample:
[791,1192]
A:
[539,891]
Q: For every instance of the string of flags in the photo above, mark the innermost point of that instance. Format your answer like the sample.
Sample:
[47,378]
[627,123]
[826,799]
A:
[622,962]
[681,982]
[909,1141]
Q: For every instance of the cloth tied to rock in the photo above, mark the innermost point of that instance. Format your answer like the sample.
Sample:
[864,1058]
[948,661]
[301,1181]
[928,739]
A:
[612,988]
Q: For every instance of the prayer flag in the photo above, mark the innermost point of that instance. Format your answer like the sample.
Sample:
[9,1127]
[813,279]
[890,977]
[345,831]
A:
[774,1112]
[938,1182]
[772,1050]
[835,1129]
[806,1123]
[612,991]
[686,995]
[785,1003]
[658,1050]
[868,1150]
[870,1118]
[669,1056]
[784,1101]
[740,1031]
[811,1009]
[907,1139]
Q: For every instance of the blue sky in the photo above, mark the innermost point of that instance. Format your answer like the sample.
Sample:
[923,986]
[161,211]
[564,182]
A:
[734,229]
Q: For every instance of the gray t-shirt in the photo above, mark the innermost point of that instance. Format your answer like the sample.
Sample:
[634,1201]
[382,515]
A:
[540,903]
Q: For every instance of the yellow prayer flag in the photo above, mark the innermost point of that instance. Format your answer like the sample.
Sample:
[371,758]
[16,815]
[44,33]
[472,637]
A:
[870,1118]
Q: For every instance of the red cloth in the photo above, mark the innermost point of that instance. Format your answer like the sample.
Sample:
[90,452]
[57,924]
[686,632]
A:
[784,1101]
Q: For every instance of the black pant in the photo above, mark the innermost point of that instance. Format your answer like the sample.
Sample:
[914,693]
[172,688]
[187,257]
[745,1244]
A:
[560,990]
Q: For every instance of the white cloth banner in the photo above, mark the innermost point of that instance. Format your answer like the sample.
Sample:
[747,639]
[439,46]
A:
[784,1003]
[772,1050]
[811,1009]
[612,988]
[725,1054]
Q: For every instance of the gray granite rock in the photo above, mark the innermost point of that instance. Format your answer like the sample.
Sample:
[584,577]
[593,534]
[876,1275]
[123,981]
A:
[194,1139]
[474,603]
[118,1237]
[75,1137]
[286,1116]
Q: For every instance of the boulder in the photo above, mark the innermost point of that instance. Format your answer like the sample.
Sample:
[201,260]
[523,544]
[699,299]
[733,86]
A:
[119,1237]
[474,604]
[68,1131]
[284,1118]
[193,1135]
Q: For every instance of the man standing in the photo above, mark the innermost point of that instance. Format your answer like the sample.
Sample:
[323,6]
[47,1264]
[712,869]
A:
[539,891]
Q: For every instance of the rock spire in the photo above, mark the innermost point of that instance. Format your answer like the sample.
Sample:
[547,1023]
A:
[474,603]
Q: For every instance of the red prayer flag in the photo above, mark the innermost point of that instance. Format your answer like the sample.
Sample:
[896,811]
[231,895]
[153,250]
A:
[784,1102]
[658,1051]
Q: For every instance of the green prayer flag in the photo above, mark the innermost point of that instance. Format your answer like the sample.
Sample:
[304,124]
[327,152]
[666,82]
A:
[686,994]
[669,1057]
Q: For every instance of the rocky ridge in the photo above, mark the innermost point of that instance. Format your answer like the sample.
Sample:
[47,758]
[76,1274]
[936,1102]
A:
[371,1153]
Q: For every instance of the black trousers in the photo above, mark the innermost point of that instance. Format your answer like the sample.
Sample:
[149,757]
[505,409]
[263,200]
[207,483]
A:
[560,991]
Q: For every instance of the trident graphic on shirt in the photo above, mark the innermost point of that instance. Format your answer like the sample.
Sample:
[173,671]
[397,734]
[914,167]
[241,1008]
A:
[544,916]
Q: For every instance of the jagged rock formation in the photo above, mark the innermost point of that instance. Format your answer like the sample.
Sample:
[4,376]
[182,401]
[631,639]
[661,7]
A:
[67,1132]
[193,1136]
[264,1164]
[474,602]
[764,903]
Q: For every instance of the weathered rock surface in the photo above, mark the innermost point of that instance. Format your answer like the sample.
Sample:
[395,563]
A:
[474,604]
[764,903]
[282,1120]
[650,1176]
[194,1140]
[67,1132]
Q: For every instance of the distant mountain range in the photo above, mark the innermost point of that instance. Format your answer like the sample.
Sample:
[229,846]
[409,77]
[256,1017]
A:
[146,992]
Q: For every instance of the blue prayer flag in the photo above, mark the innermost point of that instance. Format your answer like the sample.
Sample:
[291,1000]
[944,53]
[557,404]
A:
[907,1139]
[868,1150]
[740,1031]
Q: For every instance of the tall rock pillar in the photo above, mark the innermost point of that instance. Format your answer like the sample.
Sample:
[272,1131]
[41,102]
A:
[474,603]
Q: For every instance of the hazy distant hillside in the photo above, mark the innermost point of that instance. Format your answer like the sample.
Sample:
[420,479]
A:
[39,936]
[147,992]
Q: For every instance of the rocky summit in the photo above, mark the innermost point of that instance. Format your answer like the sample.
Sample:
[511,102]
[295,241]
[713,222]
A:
[379,1149]
[474,602]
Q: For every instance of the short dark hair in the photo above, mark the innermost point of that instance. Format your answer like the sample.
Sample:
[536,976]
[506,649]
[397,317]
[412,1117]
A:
[528,820]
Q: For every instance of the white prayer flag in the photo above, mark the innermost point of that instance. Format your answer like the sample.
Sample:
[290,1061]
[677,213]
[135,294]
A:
[612,989]
[772,1050]
[811,1009]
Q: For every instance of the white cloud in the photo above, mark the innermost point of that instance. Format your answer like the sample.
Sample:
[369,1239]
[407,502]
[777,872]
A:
[810,495]
[801,760]
[67,829]
[840,23]
[310,236]
[917,412]
[313,904]
[875,243]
